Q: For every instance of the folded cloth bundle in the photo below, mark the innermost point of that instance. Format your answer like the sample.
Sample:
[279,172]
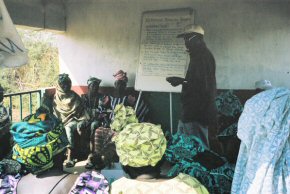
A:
[38,138]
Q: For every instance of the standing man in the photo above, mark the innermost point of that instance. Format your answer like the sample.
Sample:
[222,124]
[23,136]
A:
[198,86]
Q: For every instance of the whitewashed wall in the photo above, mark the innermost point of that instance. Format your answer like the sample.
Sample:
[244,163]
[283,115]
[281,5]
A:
[250,40]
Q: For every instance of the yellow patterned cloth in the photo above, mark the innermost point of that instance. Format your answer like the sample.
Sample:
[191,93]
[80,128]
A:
[123,115]
[140,144]
[39,157]
[182,184]
[38,138]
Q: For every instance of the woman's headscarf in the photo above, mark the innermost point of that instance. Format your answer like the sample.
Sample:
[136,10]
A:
[64,78]
[140,144]
[92,80]
[121,75]
[229,109]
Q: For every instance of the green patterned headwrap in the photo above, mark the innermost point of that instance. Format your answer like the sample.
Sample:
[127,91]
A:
[123,115]
[93,80]
[140,144]
[64,78]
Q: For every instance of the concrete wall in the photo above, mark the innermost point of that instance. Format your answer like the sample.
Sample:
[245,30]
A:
[250,40]
[41,14]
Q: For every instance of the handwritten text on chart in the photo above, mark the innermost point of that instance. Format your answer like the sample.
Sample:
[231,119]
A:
[162,53]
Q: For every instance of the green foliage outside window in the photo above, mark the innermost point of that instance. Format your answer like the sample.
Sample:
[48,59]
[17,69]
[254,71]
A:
[41,71]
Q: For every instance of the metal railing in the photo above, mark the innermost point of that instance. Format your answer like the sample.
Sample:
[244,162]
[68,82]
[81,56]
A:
[22,95]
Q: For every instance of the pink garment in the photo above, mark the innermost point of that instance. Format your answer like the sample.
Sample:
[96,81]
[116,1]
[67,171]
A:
[9,184]
[90,182]
[121,75]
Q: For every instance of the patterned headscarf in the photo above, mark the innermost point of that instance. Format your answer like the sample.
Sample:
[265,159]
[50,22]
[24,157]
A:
[229,108]
[122,117]
[121,75]
[93,80]
[228,104]
[63,78]
[140,144]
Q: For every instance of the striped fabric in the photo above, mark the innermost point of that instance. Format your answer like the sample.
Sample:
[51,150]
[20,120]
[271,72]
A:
[142,110]
[104,146]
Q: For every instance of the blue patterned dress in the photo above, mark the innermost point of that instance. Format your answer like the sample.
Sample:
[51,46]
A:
[263,164]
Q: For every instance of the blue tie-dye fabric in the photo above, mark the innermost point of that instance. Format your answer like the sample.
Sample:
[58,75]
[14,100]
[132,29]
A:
[182,151]
[263,164]
[27,134]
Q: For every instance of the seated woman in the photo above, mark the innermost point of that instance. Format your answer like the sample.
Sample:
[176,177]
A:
[104,149]
[104,111]
[5,123]
[39,140]
[91,102]
[120,97]
[40,145]
[98,108]
[69,108]
[264,157]
[140,147]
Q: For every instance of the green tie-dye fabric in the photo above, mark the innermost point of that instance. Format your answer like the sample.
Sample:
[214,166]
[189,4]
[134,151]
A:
[140,144]
[124,115]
